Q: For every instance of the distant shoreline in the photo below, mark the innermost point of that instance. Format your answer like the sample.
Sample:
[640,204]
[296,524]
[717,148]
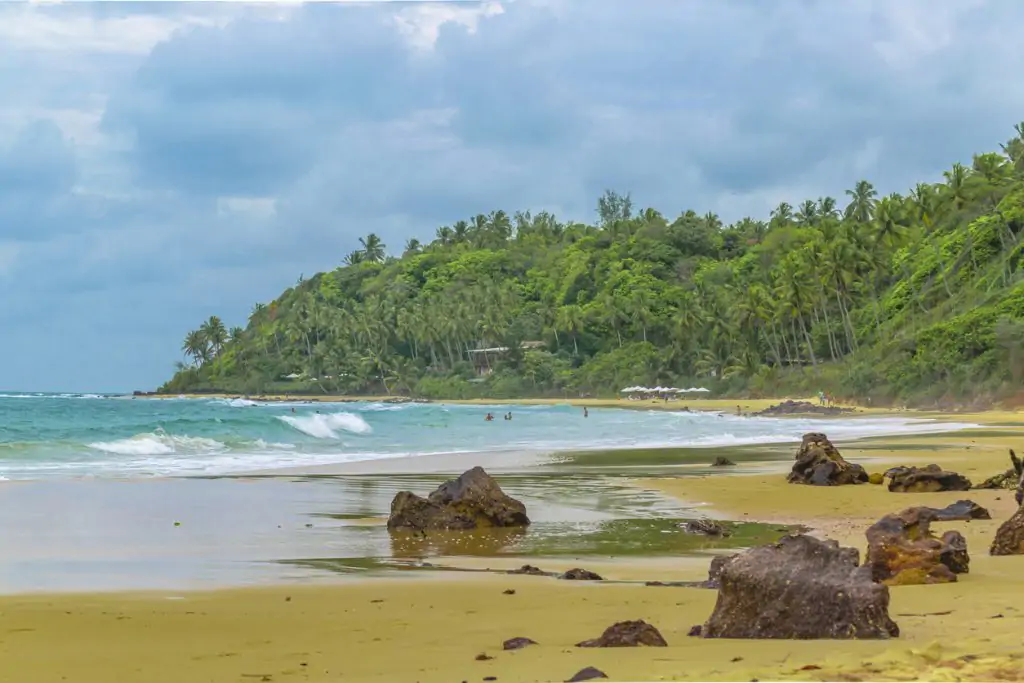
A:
[746,406]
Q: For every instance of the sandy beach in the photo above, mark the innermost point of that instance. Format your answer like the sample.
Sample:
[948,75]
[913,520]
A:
[431,626]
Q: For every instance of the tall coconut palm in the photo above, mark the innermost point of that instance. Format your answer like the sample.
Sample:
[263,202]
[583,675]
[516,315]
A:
[215,334]
[373,248]
[862,202]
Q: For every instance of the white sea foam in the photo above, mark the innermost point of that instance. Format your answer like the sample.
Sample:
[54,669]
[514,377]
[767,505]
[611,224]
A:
[327,425]
[158,443]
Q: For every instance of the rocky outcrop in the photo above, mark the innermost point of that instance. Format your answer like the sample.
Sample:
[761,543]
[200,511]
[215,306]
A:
[800,587]
[902,550]
[705,527]
[472,501]
[819,463]
[722,461]
[925,480]
[802,408]
[627,634]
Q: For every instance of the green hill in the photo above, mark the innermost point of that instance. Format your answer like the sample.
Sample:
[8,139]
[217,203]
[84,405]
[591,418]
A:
[914,297]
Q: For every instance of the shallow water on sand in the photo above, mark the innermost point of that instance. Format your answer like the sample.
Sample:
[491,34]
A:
[228,531]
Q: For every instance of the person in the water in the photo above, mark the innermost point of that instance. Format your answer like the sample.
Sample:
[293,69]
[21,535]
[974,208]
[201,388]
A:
[585,413]
[489,417]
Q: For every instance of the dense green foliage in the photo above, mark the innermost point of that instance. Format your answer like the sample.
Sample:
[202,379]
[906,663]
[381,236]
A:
[915,297]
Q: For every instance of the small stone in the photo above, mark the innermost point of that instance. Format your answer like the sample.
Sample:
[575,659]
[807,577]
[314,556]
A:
[587,674]
[508,591]
[517,643]
[483,657]
[695,631]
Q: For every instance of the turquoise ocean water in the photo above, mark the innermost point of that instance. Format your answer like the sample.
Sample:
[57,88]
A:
[53,436]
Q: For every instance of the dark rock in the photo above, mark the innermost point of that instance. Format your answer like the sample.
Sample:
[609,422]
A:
[517,643]
[473,500]
[925,480]
[483,657]
[705,527]
[509,591]
[1009,538]
[722,461]
[578,574]
[530,570]
[715,570]
[802,408]
[695,631]
[961,510]
[587,674]
[819,463]
[954,552]
[802,588]
[902,550]
[627,634]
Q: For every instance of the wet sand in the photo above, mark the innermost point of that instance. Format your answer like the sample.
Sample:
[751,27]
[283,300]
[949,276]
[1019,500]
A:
[430,626]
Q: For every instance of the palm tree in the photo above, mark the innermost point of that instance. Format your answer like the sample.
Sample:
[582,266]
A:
[570,318]
[956,185]
[373,248]
[354,258]
[807,214]
[782,214]
[827,207]
[862,202]
[215,334]
[412,246]
[196,346]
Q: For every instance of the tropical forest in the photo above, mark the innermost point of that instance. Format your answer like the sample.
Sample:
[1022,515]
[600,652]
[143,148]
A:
[912,299]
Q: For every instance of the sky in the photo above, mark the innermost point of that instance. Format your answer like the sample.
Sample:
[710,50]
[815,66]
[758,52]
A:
[164,162]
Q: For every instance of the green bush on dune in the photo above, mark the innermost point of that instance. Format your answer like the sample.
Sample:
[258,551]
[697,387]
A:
[914,297]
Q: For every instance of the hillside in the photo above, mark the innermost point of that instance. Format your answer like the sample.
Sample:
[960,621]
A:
[915,297]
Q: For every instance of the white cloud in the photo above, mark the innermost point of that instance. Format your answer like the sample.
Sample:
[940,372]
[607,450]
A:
[421,24]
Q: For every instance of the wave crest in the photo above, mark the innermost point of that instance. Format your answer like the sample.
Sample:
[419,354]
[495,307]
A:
[327,426]
[158,443]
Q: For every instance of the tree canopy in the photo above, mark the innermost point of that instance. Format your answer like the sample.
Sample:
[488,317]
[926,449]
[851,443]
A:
[898,297]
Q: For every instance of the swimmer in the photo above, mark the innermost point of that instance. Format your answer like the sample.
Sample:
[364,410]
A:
[489,417]
[585,413]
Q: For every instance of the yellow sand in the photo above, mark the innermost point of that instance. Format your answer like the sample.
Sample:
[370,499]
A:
[431,627]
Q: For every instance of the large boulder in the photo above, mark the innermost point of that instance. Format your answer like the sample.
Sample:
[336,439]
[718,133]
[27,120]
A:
[819,463]
[800,587]
[472,501]
[902,550]
[929,479]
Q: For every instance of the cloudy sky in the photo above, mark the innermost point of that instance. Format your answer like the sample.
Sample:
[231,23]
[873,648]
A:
[162,162]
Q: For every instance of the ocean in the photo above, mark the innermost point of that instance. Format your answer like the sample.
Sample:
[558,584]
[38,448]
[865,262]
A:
[58,436]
